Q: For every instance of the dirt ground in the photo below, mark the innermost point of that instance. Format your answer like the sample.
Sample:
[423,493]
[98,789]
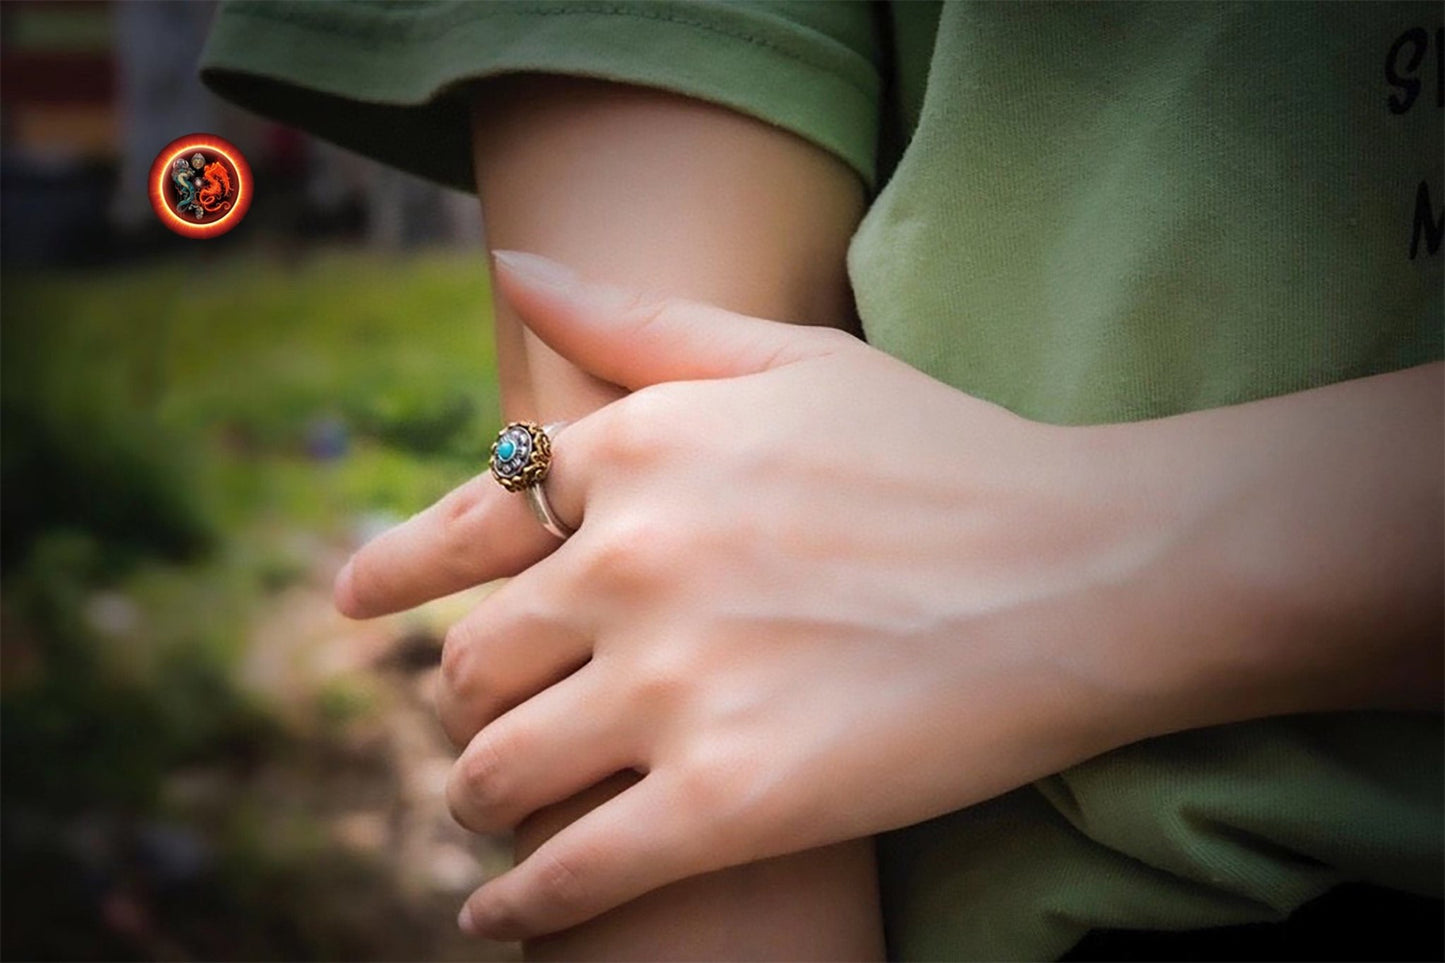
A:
[374,769]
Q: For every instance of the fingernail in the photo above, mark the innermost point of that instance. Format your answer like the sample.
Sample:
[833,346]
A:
[465,922]
[535,269]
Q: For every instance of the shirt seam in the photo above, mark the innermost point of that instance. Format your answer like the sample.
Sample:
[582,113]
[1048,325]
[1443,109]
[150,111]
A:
[268,14]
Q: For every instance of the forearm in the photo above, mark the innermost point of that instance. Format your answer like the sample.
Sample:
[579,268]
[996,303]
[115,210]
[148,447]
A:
[819,904]
[659,193]
[687,199]
[1305,570]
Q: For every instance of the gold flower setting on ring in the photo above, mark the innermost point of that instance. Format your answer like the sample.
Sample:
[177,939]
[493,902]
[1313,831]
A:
[521,456]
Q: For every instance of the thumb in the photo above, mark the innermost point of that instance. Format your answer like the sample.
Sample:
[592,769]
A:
[632,339]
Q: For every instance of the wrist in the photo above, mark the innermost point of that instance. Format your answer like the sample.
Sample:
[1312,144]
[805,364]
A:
[1286,556]
[1060,640]
[1187,619]
[1128,629]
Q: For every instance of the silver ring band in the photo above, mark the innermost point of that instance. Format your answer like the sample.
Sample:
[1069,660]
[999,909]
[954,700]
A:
[537,497]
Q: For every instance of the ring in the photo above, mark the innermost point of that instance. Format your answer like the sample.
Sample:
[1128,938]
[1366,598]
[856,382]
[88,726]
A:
[521,458]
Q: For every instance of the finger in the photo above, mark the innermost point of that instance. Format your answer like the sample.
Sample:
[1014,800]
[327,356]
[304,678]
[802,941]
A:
[550,747]
[628,846]
[477,532]
[518,641]
[634,340]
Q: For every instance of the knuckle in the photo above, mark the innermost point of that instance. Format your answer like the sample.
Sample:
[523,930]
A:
[662,679]
[723,784]
[465,698]
[477,792]
[648,310]
[457,659]
[649,403]
[465,500]
[631,555]
[370,580]
[640,429]
[461,515]
[658,411]
[460,717]
[625,442]
[523,614]
[703,783]
[363,575]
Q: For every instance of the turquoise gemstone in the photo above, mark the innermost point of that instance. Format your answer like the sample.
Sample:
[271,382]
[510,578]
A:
[506,449]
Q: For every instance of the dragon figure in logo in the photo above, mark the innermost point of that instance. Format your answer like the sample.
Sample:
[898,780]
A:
[209,195]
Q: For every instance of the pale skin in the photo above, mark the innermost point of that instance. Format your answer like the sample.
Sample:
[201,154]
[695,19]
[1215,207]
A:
[815,594]
[700,201]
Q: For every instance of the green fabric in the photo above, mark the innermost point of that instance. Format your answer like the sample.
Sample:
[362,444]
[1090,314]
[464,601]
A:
[389,79]
[1088,213]
[1117,212]
[1221,826]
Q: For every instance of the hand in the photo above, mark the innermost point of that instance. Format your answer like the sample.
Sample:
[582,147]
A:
[813,595]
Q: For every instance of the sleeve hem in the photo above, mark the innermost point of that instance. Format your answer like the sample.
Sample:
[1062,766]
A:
[340,73]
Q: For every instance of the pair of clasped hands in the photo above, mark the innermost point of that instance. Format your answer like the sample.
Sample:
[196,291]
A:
[813,594]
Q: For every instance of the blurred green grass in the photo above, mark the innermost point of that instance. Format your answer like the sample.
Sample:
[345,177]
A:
[209,370]
[176,442]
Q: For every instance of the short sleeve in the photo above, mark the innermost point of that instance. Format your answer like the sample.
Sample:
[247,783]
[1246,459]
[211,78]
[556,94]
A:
[389,80]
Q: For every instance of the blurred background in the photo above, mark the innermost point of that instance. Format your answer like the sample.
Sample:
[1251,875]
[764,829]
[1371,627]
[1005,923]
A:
[201,759]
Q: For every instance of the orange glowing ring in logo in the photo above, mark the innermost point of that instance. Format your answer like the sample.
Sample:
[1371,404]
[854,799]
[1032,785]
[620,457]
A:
[163,193]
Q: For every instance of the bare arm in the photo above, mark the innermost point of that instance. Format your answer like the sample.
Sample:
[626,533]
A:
[690,200]
[668,194]
[1305,568]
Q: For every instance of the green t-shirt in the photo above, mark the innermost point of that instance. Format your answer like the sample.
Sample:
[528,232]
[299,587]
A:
[1086,213]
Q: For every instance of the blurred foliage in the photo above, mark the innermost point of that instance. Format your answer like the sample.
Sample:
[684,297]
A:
[116,738]
[106,472]
[133,372]
[164,432]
